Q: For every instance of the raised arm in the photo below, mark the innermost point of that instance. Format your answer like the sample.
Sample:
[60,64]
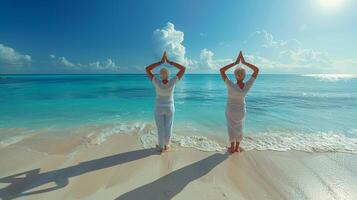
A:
[154,65]
[251,66]
[225,68]
[181,68]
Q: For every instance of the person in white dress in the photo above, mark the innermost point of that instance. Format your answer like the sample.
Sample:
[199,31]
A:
[164,106]
[235,109]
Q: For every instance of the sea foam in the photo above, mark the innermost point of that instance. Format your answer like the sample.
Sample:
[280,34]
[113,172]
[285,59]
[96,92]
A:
[97,137]
[265,141]
[201,143]
[314,142]
[12,140]
[319,142]
[20,135]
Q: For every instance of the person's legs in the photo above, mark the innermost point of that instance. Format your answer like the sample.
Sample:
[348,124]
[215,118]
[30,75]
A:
[168,118]
[237,148]
[164,137]
[235,124]
[159,119]
[231,149]
[240,128]
[230,131]
[169,124]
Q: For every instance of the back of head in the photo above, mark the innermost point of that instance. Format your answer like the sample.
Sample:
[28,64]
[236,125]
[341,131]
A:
[239,73]
[164,73]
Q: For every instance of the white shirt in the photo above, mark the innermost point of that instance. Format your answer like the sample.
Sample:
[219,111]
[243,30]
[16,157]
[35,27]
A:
[236,95]
[164,92]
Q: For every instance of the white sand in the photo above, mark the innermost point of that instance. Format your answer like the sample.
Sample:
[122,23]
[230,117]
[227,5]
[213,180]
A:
[67,168]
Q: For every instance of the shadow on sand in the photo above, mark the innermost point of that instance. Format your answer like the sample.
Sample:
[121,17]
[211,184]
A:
[25,181]
[170,185]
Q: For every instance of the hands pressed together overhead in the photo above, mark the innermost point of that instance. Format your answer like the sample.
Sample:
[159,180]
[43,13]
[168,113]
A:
[240,59]
[164,58]
[162,61]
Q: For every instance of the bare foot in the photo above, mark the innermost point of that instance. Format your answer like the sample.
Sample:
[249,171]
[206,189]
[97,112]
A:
[167,147]
[230,149]
[237,149]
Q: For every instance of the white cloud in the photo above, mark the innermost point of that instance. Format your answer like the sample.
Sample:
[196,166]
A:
[105,65]
[261,61]
[274,55]
[206,60]
[265,40]
[303,57]
[286,55]
[63,61]
[66,62]
[171,40]
[9,56]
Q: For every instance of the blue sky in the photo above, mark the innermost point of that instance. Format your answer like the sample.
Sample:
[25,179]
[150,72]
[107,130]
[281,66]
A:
[300,36]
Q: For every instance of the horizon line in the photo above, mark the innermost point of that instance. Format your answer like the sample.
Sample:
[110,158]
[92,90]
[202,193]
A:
[185,73]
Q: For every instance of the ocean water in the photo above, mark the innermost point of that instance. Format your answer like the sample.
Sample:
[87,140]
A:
[284,112]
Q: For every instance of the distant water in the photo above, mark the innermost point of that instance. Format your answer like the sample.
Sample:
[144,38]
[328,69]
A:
[301,112]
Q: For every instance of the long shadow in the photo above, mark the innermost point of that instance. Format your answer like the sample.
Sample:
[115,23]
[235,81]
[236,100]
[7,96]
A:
[170,185]
[22,182]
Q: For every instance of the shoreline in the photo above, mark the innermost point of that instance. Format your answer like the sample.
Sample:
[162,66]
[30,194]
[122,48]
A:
[97,134]
[120,168]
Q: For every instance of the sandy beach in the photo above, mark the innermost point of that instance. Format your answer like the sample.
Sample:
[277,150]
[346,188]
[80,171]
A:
[120,168]
[91,92]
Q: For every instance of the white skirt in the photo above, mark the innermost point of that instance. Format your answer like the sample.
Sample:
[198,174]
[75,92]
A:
[235,122]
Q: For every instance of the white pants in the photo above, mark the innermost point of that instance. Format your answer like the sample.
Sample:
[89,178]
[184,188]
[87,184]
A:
[235,122]
[164,119]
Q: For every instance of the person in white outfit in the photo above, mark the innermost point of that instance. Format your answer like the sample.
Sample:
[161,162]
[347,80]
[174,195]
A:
[164,106]
[235,109]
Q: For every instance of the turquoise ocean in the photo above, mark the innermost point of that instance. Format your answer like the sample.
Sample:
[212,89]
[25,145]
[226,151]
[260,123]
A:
[284,112]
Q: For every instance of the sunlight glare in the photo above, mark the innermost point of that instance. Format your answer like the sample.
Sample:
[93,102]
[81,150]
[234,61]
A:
[330,4]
